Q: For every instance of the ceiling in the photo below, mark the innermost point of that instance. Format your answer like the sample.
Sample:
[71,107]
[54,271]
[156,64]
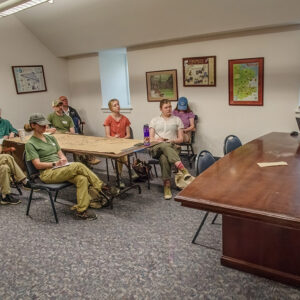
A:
[74,27]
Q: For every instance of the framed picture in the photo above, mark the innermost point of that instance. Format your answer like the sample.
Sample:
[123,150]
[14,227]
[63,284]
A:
[162,85]
[246,81]
[29,79]
[199,71]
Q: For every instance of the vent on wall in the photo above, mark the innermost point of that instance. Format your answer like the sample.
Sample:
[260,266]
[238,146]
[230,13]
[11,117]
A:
[10,7]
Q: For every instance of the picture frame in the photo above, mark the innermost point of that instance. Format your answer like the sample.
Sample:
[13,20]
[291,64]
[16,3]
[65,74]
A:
[29,79]
[162,85]
[246,81]
[199,71]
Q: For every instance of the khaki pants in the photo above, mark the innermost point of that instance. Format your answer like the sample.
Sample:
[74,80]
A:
[167,154]
[9,167]
[122,160]
[78,174]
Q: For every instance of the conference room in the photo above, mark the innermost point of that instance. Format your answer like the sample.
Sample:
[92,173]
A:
[142,248]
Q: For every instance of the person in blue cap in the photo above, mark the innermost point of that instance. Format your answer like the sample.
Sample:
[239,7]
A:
[187,117]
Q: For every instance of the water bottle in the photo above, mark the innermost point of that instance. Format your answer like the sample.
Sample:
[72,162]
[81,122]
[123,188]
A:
[146,135]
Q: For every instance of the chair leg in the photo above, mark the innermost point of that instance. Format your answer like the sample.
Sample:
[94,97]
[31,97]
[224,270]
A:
[107,171]
[29,202]
[53,206]
[202,223]
[55,196]
[214,219]
[155,170]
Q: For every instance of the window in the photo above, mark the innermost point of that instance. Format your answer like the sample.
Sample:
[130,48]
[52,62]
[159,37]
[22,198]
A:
[114,76]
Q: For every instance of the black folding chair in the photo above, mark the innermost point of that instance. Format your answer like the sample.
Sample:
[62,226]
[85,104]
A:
[36,183]
[203,161]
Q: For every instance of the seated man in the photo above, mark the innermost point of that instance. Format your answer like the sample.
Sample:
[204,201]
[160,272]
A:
[6,129]
[71,112]
[59,120]
[8,168]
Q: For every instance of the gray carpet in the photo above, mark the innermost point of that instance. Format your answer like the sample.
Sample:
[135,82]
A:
[139,250]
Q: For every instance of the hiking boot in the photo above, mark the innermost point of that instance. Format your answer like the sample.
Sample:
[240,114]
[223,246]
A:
[186,174]
[86,215]
[121,185]
[134,176]
[167,193]
[9,199]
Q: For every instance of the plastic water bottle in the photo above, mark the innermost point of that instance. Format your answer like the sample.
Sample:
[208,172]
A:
[146,135]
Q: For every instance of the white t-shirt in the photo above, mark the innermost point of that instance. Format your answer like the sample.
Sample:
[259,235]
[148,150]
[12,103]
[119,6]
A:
[166,128]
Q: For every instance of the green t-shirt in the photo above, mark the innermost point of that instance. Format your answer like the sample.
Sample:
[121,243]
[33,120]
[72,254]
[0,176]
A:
[6,128]
[45,151]
[61,123]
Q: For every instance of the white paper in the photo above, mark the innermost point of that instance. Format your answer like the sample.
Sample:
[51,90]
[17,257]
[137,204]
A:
[56,167]
[272,164]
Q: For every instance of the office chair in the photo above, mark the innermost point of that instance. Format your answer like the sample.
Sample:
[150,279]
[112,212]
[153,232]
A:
[231,143]
[36,183]
[203,161]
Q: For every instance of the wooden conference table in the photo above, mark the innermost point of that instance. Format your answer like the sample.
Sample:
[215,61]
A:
[82,144]
[260,206]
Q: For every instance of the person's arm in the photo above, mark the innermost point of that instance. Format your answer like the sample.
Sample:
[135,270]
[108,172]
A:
[127,136]
[152,136]
[41,165]
[179,138]
[12,130]
[191,127]
[72,130]
[48,128]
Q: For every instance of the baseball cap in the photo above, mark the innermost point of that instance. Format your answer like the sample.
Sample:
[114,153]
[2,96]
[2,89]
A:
[56,102]
[38,118]
[182,103]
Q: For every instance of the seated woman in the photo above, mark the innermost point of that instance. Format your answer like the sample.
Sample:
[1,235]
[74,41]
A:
[45,153]
[187,117]
[118,126]
[167,129]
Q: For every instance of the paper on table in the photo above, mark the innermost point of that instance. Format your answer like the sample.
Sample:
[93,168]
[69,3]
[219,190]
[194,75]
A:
[56,167]
[272,164]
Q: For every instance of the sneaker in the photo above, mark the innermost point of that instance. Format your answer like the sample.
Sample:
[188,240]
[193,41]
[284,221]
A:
[26,185]
[134,176]
[167,193]
[86,215]
[9,199]
[122,185]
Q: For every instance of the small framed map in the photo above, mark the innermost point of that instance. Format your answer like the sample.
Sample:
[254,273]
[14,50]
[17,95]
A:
[246,81]
[162,85]
[29,79]
[199,71]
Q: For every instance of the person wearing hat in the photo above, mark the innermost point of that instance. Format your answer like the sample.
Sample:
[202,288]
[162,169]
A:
[46,155]
[187,117]
[59,120]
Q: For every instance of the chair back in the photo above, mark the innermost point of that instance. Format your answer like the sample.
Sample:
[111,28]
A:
[203,161]
[131,133]
[31,170]
[231,143]
[194,132]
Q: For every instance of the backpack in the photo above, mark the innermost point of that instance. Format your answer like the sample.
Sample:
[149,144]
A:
[142,169]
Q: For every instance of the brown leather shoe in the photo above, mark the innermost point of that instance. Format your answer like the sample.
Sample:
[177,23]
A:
[86,215]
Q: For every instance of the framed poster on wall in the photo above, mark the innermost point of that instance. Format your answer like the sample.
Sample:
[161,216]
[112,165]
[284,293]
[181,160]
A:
[246,81]
[29,79]
[162,85]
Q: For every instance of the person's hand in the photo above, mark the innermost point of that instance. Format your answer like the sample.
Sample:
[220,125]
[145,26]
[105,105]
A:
[51,130]
[63,161]
[117,136]
[5,137]
[11,135]
[160,139]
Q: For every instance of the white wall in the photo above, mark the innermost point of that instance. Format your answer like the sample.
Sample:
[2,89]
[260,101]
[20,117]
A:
[20,47]
[217,118]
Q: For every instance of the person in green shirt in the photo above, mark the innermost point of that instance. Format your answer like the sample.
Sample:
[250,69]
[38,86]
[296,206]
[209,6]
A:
[46,155]
[6,129]
[59,120]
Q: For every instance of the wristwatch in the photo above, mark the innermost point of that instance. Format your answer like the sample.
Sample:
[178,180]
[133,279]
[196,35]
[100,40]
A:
[53,164]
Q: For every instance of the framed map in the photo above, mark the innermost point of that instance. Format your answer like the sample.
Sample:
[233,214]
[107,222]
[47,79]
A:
[29,79]
[246,84]
[162,85]
[199,71]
